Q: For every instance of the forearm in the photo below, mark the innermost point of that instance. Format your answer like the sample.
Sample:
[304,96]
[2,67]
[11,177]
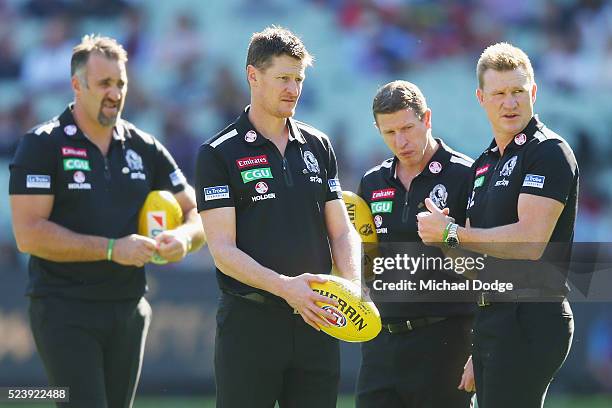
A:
[346,252]
[235,263]
[192,228]
[48,240]
[512,241]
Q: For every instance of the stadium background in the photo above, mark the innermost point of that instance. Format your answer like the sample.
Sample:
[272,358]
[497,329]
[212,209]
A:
[186,80]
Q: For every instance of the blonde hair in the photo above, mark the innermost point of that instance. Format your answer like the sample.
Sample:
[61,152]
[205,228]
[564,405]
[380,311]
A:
[503,57]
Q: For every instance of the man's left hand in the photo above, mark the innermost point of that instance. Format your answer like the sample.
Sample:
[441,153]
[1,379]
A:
[172,245]
[433,223]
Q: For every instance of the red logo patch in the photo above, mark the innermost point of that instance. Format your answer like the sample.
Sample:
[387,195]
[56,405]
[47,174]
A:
[73,151]
[482,170]
[159,219]
[252,161]
[520,139]
[383,194]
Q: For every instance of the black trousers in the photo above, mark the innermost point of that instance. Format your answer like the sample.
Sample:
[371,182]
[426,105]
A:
[264,353]
[416,369]
[518,348]
[94,348]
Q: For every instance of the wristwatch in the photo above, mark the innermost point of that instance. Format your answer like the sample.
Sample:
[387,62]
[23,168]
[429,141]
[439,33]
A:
[451,238]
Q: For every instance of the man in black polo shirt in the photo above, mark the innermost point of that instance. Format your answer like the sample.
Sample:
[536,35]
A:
[522,207]
[270,201]
[77,184]
[418,357]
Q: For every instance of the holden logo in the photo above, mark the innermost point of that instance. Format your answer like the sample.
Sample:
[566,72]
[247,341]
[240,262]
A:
[261,187]
[338,319]
[520,139]
[435,167]
[79,177]
[378,220]
[250,136]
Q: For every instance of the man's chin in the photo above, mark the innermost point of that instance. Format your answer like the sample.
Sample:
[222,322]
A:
[106,121]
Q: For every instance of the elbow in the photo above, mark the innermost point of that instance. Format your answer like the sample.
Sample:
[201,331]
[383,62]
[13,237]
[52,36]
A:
[535,251]
[24,244]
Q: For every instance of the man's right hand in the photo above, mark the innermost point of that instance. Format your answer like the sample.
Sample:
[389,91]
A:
[300,296]
[134,250]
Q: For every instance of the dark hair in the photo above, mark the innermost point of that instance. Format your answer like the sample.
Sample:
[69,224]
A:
[272,42]
[106,46]
[399,95]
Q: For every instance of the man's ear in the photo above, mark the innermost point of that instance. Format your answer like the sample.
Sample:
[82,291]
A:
[252,75]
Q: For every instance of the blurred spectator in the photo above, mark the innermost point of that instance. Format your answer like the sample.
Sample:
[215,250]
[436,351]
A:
[180,141]
[183,43]
[228,97]
[599,351]
[136,38]
[46,67]
[11,64]
[9,134]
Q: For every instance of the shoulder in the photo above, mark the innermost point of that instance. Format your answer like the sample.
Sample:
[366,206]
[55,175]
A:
[309,132]
[136,134]
[376,170]
[460,163]
[548,143]
[223,139]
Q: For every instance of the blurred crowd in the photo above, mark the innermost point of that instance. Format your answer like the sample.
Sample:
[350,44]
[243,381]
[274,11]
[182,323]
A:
[183,92]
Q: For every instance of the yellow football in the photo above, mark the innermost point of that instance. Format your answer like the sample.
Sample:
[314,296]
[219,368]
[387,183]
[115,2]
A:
[361,217]
[160,212]
[355,319]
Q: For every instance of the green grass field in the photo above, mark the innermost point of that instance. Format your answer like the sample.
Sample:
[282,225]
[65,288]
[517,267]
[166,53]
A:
[343,402]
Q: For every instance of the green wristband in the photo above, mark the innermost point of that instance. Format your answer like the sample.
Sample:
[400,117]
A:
[445,234]
[109,249]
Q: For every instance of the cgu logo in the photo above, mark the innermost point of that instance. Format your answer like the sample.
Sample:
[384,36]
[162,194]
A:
[382,207]
[156,223]
[76,164]
[256,174]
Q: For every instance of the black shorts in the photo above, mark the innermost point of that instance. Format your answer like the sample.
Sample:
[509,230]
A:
[265,353]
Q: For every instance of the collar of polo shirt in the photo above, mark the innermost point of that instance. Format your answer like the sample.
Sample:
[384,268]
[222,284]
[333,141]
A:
[442,156]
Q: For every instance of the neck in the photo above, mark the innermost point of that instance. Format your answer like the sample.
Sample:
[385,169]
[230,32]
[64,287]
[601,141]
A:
[92,129]
[502,140]
[411,171]
[271,127]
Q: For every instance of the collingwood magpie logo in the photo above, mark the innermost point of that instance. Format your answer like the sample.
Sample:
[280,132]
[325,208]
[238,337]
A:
[311,162]
[133,159]
[508,167]
[439,196]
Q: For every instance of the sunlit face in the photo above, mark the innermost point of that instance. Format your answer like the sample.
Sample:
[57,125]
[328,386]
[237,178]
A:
[507,97]
[277,88]
[103,95]
[405,134]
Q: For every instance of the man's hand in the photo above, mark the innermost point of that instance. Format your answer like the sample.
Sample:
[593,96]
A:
[432,224]
[134,250]
[172,245]
[298,293]
[467,379]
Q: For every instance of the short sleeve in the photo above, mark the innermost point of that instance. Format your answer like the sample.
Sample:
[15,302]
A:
[549,170]
[334,190]
[213,189]
[168,176]
[33,169]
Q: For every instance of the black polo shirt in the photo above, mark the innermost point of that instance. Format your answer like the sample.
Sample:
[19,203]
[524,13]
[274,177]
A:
[537,162]
[93,195]
[279,200]
[446,180]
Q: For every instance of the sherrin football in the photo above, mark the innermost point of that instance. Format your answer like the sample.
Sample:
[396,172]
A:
[160,212]
[355,320]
